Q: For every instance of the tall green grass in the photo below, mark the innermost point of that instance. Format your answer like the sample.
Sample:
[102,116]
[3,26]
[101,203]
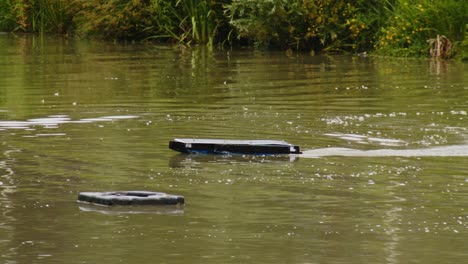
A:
[45,16]
[181,21]
[198,15]
[52,16]
[187,21]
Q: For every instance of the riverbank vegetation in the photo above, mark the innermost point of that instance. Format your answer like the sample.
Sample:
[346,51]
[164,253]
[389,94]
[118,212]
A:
[436,28]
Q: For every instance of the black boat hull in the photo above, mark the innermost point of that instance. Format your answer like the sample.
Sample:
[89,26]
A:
[216,146]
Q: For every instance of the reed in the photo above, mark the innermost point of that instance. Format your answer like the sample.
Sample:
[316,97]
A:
[198,20]
[186,21]
[169,23]
[45,16]
[52,16]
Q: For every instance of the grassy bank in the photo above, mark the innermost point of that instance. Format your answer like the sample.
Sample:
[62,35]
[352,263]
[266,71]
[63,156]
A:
[436,28]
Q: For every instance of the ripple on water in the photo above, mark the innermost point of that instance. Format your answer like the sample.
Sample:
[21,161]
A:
[53,121]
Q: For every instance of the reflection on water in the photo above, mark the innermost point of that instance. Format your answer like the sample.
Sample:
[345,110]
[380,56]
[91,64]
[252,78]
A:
[7,188]
[383,176]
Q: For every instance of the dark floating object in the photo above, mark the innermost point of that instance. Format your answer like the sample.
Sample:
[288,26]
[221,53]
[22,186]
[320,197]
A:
[220,146]
[130,198]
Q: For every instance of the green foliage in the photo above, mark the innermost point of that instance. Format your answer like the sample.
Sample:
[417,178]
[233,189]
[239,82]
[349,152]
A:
[46,16]
[264,22]
[183,21]
[305,24]
[198,20]
[7,17]
[463,46]
[188,21]
[389,27]
[167,22]
[54,16]
[331,24]
[411,24]
[115,19]
[368,18]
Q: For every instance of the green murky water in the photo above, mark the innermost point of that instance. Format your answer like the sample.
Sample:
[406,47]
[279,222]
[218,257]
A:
[383,177]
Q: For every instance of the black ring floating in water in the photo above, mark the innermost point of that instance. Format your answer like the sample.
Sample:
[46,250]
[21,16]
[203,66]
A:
[130,198]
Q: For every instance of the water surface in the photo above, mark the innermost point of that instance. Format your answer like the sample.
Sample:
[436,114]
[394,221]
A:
[383,177]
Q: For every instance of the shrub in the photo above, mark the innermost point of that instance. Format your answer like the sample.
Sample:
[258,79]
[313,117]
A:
[265,23]
[412,23]
[305,24]
[115,19]
[7,17]
[47,16]
[330,24]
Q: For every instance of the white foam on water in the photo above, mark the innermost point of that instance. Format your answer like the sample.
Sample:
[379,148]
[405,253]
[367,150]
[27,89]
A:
[92,120]
[46,135]
[105,118]
[14,124]
[119,117]
[53,121]
[365,139]
[48,121]
[442,151]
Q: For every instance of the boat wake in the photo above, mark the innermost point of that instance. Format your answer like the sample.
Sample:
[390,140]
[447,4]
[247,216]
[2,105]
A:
[442,151]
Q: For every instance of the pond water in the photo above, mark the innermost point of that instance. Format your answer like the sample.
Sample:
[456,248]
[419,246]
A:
[383,177]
